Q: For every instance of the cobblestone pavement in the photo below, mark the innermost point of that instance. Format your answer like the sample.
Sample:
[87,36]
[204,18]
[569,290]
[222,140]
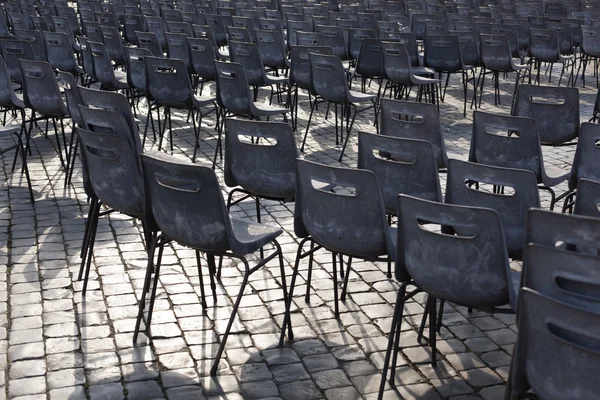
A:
[55,345]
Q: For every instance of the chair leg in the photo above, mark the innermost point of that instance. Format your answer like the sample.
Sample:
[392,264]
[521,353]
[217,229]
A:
[24,167]
[92,239]
[142,303]
[312,110]
[336,311]
[86,235]
[432,330]
[393,339]
[219,136]
[161,247]
[283,282]
[201,280]
[309,276]
[349,127]
[213,370]
[210,259]
[423,320]
[346,278]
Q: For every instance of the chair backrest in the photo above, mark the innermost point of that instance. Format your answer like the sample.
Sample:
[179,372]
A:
[93,32]
[36,39]
[570,233]
[512,33]
[132,24]
[442,53]
[243,22]
[14,50]
[292,28]
[63,25]
[266,168]
[177,48]
[402,166]
[506,141]
[396,63]
[246,54]
[310,39]
[113,43]
[355,38]
[180,27]
[112,165]
[168,82]
[186,202]
[233,91]
[334,38]
[20,21]
[202,57]
[468,266]
[409,40]
[588,198]
[300,64]
[87,60]
[341,209]
[149,41]
[586,162]
[103,68]
[157,26]
[496,53]
[369,63]
[558,348]
[590,40]
[71,90]
[563,36]
[469,48]
[40,90]
[271,48]
[136,68]
[6,86]
[554,109]
[60,54]
[412,120]
[543,45]
[514,193]
[328,77]
[215,22]
[112,101]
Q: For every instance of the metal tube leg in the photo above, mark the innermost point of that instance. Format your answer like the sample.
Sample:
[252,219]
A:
[201,280]
[335,286]
[93,230]
[142,304]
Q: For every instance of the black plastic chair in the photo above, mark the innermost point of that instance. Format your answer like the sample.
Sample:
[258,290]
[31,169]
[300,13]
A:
[588,198]
[179,27]
[131,25]
[87,62]
[60,56]
[552,330]
[114,45]
[330,83]
[157,26]
[355,38]
[202,58]
[62,25]
[149,41]
[496,58]
[177,48]
[136,74]
[73,99]
[14,50]
[36,39]
[334,38]
[512,142]
[590,51]
[215,22]
[411,120]
[544,47]
[234,97]
[341,211]
[194,193]
[93,32]
[586,163]
[369,63]
[168,82]
[465,186]
[466,263]
[109,78]
[443,54]
[400,77]
[554,109]
[293,27]
[272,50]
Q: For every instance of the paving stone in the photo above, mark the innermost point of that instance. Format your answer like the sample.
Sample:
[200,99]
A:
[289,373]
[320,362]
[330,379]
[143,390]
[481,377]
[26,386]
[300,390]
[258,390]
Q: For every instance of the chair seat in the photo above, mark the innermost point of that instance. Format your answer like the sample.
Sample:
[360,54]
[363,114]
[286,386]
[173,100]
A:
[421,80]
[520,67]
[276,80]
[552,176]
[564,58]
[203,101]
[266,110]
[515,282]
[359,97]
[18,100]
[251,236]
[120,81]
[422,71]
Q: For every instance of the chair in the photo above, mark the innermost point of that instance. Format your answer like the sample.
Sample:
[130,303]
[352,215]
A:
[465,186]
[60,55]
[177,48]
[554,334]
[131,25]
[300,75]
[293,27]
[247,55]
[136,72]
[411,120]
[42,95]
[466,263]
[244,23]
[443,54]
[330,83]
[355,38]
[149,41]
[369,63]
[554,109]
[512,142]
[585,163]
[590,50]
[93,32]
[272,50]
[73,97]
[109,78]
[544,47]
[202,57]
[341,211]
[334,38]
[401,79]
[62,25]
[262,168]
[114,45]
[36,39]
[87,62]
[180,27]
[157,26]
[168,83]
[172,186]
[588,198]
[496,58]
[14,50]
[215,22]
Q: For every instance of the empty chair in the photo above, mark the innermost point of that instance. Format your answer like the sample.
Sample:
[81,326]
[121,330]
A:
[60,55]
[149,41]
[411,120]
[330,83]
[177,47]
[588,198]
[215,22]
[62,25]
[443,54]
[131,25]
[496,58]
[73,98]
[194,193]
[466,263]
[243,22]
[93,32]
[544,47]
[36,39]
[157,26]
[334,38]
[512,142]
[369,62]
[586,163]
[272,50]
[554,109]
[169,85]
[180,27]
[114,45]
[341,211]
[465,186]
[590,50]
[293,27]
[110,78]
[554,334]
[87,61]
[202,58]
[355,38]
[14,50]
